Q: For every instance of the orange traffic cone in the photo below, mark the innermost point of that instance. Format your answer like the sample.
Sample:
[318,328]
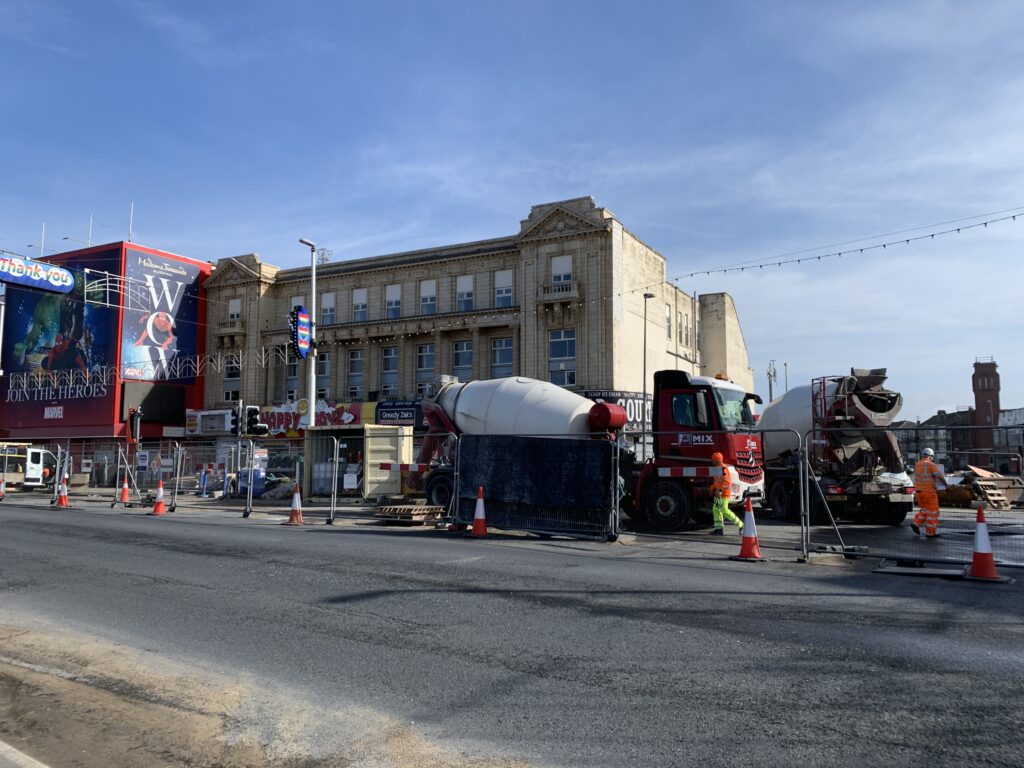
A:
[159,508]
[295,518]
[62,494]
[125,499]
[749,550]
[479,519]
[983,565]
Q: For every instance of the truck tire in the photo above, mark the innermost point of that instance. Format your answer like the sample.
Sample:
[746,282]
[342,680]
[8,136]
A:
[439,490]
[668,507]
[783,502]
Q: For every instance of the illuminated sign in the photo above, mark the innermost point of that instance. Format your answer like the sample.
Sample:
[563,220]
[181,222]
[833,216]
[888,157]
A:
[301,331]
[35,274]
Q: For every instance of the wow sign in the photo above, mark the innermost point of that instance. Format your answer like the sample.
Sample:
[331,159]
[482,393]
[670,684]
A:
[301,331]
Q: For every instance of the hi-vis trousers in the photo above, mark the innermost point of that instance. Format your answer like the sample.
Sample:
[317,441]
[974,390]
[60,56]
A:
[928,514]
[721,509]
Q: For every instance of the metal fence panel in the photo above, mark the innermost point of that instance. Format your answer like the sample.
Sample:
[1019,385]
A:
[544,484]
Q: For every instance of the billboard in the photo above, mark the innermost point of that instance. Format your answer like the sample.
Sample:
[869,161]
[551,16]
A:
[65,349]
[161,314]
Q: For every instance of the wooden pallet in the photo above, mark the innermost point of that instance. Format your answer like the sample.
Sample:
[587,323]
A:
[991,494]
[410,512]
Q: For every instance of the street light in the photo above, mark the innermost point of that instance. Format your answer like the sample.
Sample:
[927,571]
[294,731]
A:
[643,407]
[311,393]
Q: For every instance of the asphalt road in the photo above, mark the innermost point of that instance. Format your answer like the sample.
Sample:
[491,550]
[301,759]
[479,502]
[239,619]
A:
[552,652]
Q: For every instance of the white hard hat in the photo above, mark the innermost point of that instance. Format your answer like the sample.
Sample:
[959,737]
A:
[927,452]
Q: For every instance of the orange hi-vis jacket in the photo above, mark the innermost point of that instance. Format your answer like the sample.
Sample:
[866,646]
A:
[723,485]
[925,473]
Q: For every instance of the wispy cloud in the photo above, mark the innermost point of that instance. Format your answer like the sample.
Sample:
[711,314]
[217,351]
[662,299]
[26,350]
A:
[36,24]
[194,39]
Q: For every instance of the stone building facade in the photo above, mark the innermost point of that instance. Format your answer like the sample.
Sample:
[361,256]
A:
[563,300]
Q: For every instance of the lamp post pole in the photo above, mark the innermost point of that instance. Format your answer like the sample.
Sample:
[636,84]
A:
[643,407]
[311,377]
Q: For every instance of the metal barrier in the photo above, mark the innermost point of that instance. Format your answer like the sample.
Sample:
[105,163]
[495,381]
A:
[545,484]
[890,535]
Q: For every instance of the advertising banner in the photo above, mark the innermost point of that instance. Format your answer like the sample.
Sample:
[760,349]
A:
[631,401]
[291,419]
[401,412]
[161,314]
[69,350]
[35,274]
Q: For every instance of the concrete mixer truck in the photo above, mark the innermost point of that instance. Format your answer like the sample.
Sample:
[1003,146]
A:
[855,459]
[693,417]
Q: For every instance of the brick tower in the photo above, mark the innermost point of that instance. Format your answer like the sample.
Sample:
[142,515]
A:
[986,408]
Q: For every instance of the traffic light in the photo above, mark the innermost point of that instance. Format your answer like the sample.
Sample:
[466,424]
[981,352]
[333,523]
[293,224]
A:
[134,424]
[253,425]
[236,419]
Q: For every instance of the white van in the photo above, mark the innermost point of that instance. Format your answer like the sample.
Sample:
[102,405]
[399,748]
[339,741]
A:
[40,468]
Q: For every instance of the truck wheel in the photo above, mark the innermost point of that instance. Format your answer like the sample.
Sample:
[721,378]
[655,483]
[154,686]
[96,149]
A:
[439,490]
[783,502]
[668,507]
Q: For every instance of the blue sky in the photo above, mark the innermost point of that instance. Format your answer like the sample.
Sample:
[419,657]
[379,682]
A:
[719,133]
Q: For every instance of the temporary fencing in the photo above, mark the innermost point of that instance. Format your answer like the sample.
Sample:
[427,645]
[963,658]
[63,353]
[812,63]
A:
[879,524]
[547,484]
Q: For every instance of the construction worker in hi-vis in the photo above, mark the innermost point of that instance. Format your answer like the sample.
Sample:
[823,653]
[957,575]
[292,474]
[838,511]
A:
[927,480]
[721,486]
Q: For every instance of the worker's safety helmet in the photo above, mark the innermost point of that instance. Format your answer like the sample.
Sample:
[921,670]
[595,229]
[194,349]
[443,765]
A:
[717,457]
[928,452]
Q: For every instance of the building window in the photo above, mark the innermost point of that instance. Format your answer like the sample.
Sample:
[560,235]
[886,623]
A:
[231,395]
[358,305]
[234,309]
[424,388]
[232,370]
[327,308]
[562,357]
[428,297]
[389,372]
[321,393]
[323,364]
[293,395]
[462,360]
[679,327]
[501,358]
[686,333]
[298,301]
[503,288]
[464,293]
[668,321]
[561,269]
[393,299]
[424,368]
[355,373]
[425,357]
[293,366]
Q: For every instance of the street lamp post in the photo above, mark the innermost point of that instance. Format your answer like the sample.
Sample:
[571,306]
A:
[311,377]
[643,407]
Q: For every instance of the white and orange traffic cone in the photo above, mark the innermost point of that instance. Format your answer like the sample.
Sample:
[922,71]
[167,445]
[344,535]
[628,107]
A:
[125,498]
[295,518]
[749,549]
[159,508]
[62,494]
[983,564]
[479,518]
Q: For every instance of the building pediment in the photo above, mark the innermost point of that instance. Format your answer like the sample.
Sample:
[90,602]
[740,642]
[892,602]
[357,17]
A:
[235,270]
[559,222]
